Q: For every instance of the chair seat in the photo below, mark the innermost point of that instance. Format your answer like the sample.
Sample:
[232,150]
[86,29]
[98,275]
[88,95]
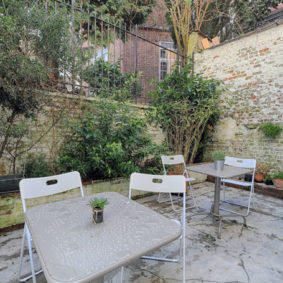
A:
[190,179]
[235,182]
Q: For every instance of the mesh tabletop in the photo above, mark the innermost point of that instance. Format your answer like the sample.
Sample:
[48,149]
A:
[72,248]
[227,172]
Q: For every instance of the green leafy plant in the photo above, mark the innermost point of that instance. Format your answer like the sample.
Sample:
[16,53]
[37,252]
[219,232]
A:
[98,203]
[278,175]
[37,166]
[268,177]
[218,155]
[184,104]
[107,81]
[262,168]
[271,130]
[109,141]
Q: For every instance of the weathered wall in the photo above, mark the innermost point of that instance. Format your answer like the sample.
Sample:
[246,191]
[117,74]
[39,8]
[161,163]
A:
[252,70]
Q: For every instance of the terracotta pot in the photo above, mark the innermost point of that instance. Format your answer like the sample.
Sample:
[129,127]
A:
[259,177]
[278,183]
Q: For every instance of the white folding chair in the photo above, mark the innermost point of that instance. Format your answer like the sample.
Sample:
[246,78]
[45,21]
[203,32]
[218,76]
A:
[243,163]
[169,160]
[40,187]
[163,184]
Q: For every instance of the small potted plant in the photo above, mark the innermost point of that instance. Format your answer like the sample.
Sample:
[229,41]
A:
[219,158]
[261,171]
[97,205]
[278,180]
[268,180]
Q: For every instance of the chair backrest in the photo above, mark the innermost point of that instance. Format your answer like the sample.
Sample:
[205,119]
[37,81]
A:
[157,183]
[173,160]
[240,162]
[45,186]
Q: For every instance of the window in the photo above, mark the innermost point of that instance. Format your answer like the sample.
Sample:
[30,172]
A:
[166,59]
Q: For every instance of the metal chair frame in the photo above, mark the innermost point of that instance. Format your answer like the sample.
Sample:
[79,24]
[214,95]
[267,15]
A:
[177,160]
[164,184]
[243,163]
[40,187]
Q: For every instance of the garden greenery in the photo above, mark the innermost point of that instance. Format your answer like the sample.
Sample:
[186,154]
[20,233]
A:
[218,155]
[107,81]
[271,130]
[98,203]
[185,103]
[278,175]
[34,49]
[109,141]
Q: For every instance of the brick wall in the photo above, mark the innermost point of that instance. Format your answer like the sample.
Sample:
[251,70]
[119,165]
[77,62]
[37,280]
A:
[252,70]
[147,61]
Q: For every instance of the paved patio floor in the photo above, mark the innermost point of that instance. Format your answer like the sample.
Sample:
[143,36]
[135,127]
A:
[243,254]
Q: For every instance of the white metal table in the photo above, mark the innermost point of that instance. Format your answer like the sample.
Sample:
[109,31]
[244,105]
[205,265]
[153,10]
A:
[227,172]
[71,248]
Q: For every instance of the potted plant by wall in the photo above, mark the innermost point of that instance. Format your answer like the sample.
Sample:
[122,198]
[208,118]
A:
[219,158]
[97,205]
[271,130]
[261,171]
[278,180]
[268,180]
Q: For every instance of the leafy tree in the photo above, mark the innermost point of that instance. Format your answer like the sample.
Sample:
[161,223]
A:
[185,103]
[109,141]
[131,12]
[229,19]
[32,39]
[186,18]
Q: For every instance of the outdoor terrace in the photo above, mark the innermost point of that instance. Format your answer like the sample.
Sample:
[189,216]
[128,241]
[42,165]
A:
[243,254]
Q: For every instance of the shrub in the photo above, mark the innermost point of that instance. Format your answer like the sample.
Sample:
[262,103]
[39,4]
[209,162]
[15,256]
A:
[37,166]
[107,81]
[278,175]
[109,141]
[185,104]
[271,130]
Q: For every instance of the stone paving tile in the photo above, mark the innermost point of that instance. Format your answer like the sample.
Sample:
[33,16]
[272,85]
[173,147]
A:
[252,254]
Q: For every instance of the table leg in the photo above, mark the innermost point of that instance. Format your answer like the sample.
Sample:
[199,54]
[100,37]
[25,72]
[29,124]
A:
[216,196]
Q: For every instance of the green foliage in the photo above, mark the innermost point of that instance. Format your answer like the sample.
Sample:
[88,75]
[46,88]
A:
[107,81]
[37,166]
[184,103]
[109,141]
[34,46]
[268,177]
[130,12]
[231,18]
[271,130]
[278,175]
[218,155]
[98,203]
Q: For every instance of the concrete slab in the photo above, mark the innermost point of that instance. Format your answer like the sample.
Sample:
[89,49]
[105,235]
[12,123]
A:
[243,254]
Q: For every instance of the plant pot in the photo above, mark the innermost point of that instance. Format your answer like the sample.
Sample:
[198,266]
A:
[97,215]
[248,177]
[219,165]
[278,183]
[259,177]
[268,182]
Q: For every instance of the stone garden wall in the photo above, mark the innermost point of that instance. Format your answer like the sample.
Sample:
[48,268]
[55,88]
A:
[252,70]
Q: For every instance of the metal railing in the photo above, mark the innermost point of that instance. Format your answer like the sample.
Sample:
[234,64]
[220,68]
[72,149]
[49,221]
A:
[119,56]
